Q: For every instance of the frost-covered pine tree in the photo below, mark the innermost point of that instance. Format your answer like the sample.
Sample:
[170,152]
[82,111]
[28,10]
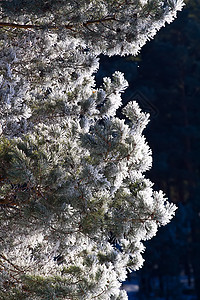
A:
[74,201]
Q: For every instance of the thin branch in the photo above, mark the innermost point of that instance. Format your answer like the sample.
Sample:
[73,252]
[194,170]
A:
[2,256]
[29,26]
[70,27]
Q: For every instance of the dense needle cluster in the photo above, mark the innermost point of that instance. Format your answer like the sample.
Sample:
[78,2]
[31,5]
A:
[74,202]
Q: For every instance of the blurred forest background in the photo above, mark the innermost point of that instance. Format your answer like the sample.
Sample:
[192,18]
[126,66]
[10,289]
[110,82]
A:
[165,80]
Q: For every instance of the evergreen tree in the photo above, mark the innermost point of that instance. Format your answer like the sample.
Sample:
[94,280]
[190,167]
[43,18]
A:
[75,204]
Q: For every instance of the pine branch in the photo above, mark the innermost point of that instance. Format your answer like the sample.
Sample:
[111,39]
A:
[70,27]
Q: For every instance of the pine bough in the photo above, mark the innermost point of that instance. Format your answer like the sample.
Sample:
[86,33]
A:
[75,204]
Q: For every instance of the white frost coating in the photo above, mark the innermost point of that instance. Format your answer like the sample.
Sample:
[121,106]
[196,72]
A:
[98,172]
[120,28]
[78,205]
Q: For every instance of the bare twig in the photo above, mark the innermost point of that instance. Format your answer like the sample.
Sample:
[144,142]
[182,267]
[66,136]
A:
[70,27]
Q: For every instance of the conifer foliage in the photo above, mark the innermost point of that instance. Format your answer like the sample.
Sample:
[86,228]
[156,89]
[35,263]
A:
[74,202]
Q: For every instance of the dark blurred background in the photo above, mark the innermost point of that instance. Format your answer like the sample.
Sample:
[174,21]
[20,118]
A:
[165,80]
